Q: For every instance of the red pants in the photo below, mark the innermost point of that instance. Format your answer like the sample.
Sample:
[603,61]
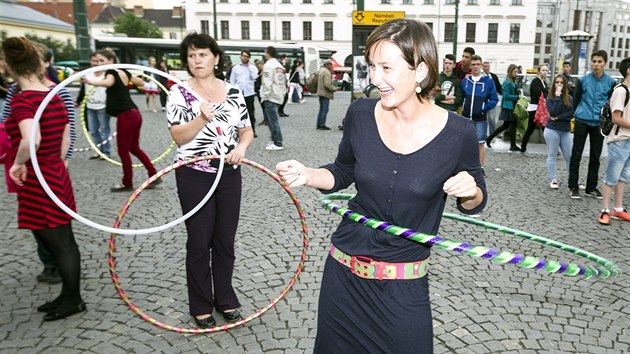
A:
[128,125]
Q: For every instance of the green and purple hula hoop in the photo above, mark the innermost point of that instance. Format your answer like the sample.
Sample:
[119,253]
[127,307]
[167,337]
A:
[605,270]
[111,258]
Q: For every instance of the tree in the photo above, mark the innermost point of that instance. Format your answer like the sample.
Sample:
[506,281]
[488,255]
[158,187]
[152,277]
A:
[62,51]
[132,26]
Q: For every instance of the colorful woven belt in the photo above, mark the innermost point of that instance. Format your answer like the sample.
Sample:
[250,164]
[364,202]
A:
[368,268]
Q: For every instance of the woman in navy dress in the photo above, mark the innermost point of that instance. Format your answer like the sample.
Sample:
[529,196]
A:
[405,156]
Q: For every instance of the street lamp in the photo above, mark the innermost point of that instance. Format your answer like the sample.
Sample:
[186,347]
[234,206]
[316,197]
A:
[576,41]
[455,29]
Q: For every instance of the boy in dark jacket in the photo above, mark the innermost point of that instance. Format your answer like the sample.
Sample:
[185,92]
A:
[450,96]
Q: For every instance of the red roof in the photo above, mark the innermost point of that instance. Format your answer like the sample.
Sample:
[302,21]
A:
[64,11]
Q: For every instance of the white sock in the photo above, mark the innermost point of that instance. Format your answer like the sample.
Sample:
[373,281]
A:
[619,210]
[606,211]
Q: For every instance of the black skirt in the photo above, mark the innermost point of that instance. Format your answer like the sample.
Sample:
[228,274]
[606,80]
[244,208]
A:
[359,315]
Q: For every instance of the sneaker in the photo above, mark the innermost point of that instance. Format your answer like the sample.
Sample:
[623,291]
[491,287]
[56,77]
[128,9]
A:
[575,193]
[604,218]
[273,147]
[620,215]
[553,184]
[582,187]
[50,276]
[515,148]
[595,193]
[323,127]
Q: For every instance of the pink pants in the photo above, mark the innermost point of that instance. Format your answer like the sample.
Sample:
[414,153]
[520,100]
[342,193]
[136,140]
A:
[128,125]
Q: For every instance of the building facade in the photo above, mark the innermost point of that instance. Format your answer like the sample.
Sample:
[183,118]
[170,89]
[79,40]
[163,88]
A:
[501,31]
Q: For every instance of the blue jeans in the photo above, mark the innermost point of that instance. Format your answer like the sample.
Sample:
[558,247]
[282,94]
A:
[270,111]
[557,139]
[618,168]
[324,103]
[98,121]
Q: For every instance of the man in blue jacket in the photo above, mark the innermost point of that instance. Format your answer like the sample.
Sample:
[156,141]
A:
[480,96]
[591,92]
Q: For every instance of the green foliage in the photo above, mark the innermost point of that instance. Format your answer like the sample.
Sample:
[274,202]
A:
[132,26]
[62,50]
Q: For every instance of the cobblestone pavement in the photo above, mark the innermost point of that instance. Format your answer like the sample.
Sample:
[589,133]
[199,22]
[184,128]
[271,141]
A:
[478,306]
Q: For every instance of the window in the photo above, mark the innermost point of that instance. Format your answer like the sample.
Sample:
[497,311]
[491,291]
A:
[614,28]
[627,43]
[515,32]
[548,39]
[307,30]
[286,30]
[493,31]
[286,1]
[386,1]
[547,49]
[449,2]
[328,31]
[223,0]
[306,1]
[612,43]
[517,2]
[495,2]
[430,24]
[537,49]
[172,35]
[538,38]
[266,30]
[244,29]
[264,1]
[536,61]
[328,2]
[618,53]
[620,29]
[205,27]
[428,2]
[203,0]
[449,28]
[244,1]
[470,32]
[407,2]
[473,2]
[225,30]
[620,43]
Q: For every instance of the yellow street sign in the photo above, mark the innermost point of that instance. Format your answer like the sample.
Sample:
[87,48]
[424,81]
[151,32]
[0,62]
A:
[374,18]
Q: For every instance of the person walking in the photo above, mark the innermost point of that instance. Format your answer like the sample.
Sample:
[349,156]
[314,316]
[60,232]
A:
[163,67]
[493,114]
[243,76]
[558,130]
[217,123]
[591,92]
[405,156]
[272,92]
[511,95]
[97,118]
[536,88]
[618,168]
[129,119]
[325,92]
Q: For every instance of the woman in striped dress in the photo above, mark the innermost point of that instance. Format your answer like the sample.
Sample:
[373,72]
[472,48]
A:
[36,211]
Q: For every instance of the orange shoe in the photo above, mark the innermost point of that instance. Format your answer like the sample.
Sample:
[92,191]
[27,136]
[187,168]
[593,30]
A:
[604,218]
[620,215]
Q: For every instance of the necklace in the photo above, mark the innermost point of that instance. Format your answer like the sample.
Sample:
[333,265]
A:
[208,91]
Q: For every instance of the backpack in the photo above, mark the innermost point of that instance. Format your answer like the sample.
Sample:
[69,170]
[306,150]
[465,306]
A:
[311,82]
[605,116]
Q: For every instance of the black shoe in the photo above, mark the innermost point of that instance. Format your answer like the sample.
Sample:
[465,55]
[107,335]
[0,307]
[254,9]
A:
[323,127]
[283,114]
[515,148]
[63,311]
[340,127]
[207,322]
[488,143]
[523,149]
[575,193]
[50,276]
[232,316]
[255,135]
[595,193]
[51,305]
[120,188]
[154,183]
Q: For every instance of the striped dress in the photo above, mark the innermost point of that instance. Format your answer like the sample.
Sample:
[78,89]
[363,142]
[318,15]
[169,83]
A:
[36,211]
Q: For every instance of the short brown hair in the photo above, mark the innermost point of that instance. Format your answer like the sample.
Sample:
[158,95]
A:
[416,42]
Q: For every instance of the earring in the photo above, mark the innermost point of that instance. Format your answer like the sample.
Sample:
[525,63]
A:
[216,67]
[418,88]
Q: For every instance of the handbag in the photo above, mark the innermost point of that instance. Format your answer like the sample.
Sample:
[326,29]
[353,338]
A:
[542,115]
[5,144]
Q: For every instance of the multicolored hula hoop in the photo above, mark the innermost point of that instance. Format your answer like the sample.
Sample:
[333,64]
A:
[95,147]
[606,270]
[111,258]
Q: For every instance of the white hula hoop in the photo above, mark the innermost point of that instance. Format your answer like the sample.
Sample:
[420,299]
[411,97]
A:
[64,207]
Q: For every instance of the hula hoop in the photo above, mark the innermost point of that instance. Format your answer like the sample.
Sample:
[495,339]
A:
[64,207]
[95,147]
[606,270]
[111,258]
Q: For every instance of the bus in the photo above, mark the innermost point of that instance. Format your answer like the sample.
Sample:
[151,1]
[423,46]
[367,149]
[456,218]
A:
[129,50]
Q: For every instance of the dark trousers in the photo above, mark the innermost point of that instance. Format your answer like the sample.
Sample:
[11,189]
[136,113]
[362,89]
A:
[128,125]
[510,126]
[47,259]
[249,102]
[163,96]
[596,141]
[211,232]
[63,247]
[530,129]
